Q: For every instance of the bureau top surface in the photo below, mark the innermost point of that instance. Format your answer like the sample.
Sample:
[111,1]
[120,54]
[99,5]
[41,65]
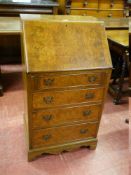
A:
[63,45]
[9,25]
[29,2]
[119,36]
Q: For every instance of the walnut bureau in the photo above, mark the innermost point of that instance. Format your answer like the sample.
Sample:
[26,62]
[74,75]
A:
[67,68]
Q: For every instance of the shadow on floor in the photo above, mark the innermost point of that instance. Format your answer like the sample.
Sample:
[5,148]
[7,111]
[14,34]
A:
[12,81]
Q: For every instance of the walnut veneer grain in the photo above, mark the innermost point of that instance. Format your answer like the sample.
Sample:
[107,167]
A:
[67,68]
[65,52]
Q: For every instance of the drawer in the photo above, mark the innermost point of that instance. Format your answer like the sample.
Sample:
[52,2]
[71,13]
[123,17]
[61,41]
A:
[62,116]
[84,12]
[84,4]
[110,13]
[66,97]
[114,4]
[64,134]
[60,81]
[99,14]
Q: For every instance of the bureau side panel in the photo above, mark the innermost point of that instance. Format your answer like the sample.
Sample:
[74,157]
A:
[27,108]
[27,95]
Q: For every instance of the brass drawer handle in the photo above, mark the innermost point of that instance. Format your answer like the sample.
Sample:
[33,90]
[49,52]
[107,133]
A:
[92,79]
[110,15]
[49,81]
[85,3]
[47,117]
[48,99]
[87,113]
[89,95]
[83,131]
[47,137]
[112,4]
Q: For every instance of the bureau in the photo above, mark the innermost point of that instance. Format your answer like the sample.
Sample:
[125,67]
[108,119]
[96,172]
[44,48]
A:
[67,68]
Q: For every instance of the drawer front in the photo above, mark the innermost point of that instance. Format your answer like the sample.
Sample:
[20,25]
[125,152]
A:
[108,4]
[61,116]
[60,81]
[99,14]
[111,13]
[67,97]
[84,12]
[111,4]
[84,4]
[64,134]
